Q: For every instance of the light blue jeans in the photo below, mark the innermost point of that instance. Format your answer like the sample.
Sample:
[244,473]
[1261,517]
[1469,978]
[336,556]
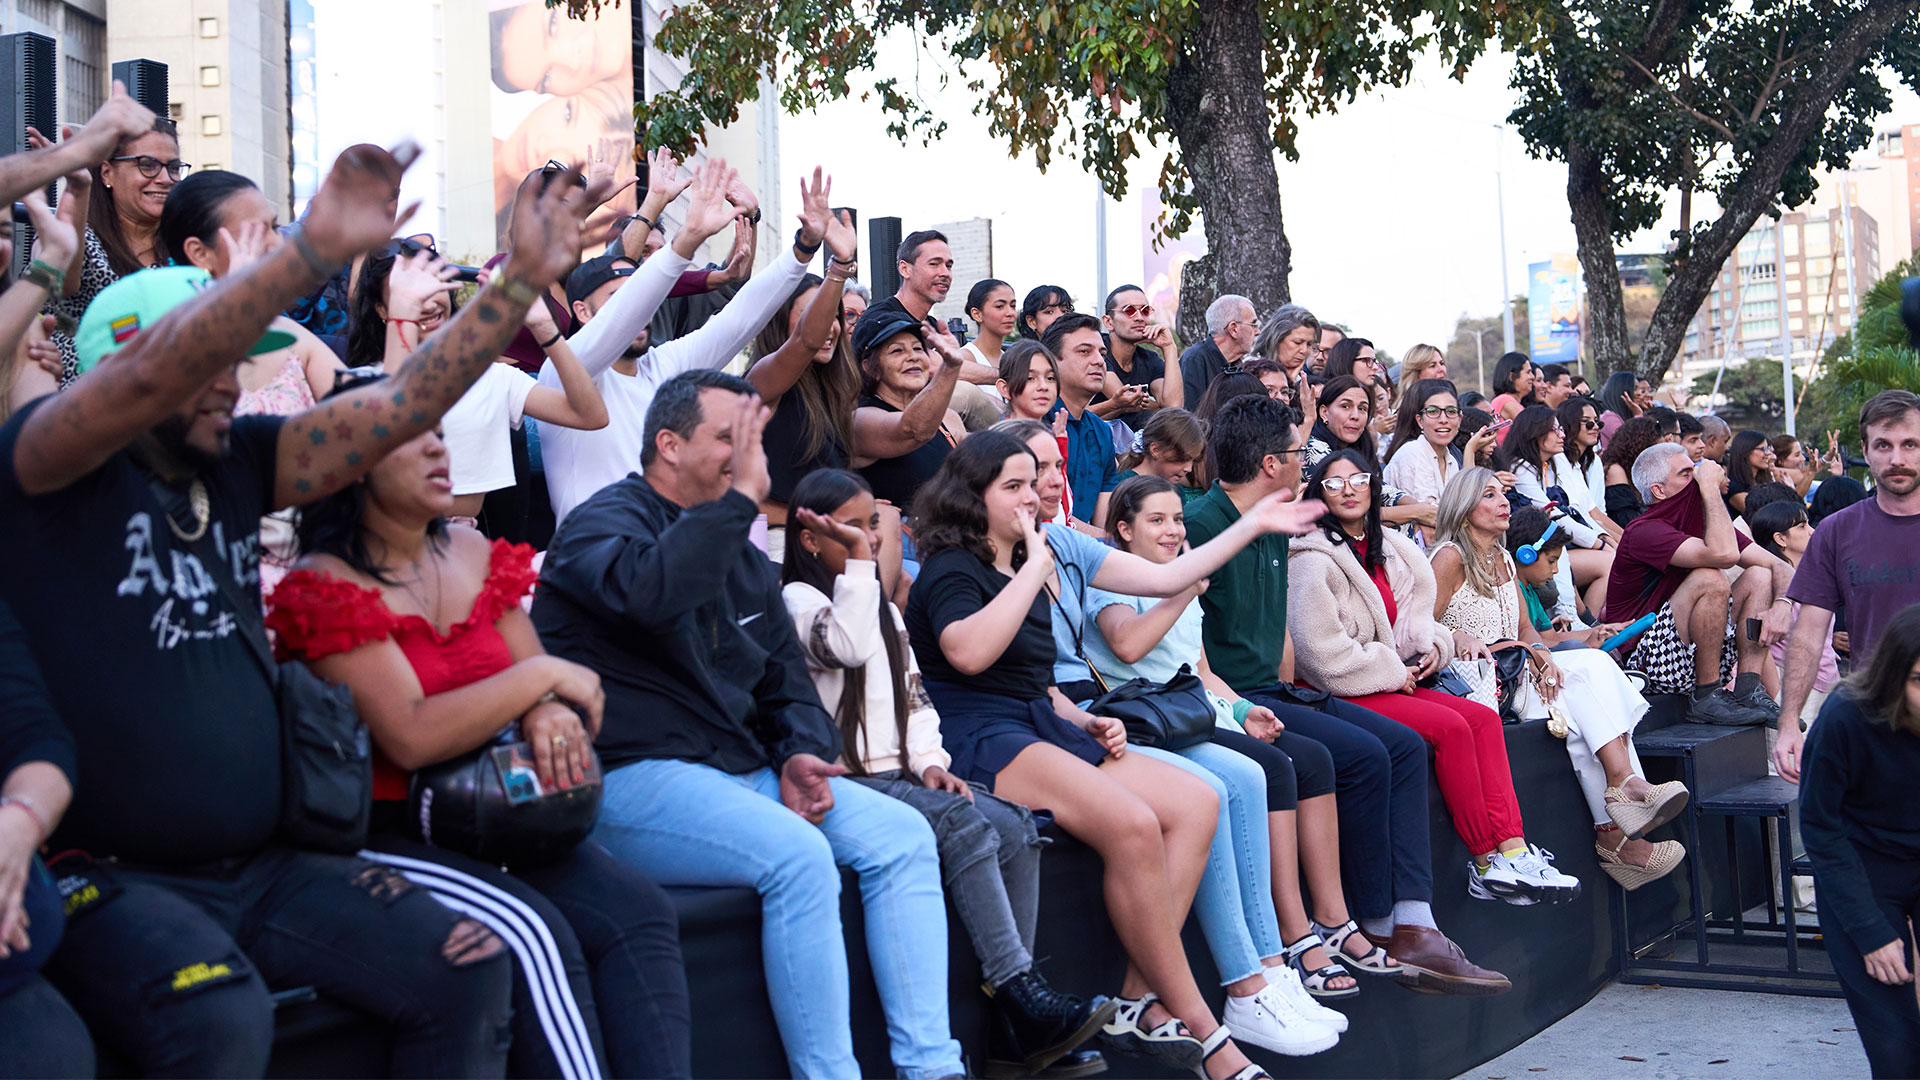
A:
[1235,900]
[686,824]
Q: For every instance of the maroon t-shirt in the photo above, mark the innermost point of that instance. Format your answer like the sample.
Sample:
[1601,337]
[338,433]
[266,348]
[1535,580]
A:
[1866,560]
[1643,576]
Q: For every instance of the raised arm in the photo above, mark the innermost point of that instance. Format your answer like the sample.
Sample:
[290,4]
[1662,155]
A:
[975,643]
[577,403]
[1125,572]
[628,311]
[1720,547]
[844,632]
[341,439]
[56,237]
[169,362]
[664,184]
[775,373]
[120,118]
[879,434]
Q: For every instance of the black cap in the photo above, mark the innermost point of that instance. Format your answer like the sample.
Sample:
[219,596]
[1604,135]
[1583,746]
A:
[877,325]
[593,273]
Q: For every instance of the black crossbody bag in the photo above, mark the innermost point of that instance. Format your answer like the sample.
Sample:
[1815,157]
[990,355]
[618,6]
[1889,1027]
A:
[1171,716]
[326,754]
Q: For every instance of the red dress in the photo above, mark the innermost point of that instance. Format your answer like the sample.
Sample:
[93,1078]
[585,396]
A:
[315,615]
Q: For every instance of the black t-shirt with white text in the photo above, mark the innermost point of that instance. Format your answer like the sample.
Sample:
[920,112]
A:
[176,730]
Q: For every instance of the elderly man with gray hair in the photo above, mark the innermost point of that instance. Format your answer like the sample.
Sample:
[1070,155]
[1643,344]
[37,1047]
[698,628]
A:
[1669,565]
[1231,324]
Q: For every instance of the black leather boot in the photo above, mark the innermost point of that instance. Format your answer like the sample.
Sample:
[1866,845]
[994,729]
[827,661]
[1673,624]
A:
[1035,1025]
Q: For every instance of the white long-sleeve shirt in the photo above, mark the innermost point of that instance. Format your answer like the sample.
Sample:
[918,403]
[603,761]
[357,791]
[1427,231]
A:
[845,632]
[1528,483]
[579,463]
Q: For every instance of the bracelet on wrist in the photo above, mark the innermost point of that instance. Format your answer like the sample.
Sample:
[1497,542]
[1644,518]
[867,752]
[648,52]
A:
[800,244]
[46,276]
[308,254]
[33,811]
[550,342]
[1240,710]
[516,290]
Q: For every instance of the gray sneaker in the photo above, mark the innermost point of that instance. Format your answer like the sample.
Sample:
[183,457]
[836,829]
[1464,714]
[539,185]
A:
[1722,709]
[1758,700]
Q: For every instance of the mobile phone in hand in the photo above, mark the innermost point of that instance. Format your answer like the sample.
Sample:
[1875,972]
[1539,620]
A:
[1753,629]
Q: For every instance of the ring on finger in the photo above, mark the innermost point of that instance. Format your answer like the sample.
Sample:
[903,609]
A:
[559,740]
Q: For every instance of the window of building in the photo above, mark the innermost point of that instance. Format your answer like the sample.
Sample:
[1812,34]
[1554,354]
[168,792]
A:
[210,76]
[1796,325]
[210,125]
[1793,238]
[209,28]
[1793,286]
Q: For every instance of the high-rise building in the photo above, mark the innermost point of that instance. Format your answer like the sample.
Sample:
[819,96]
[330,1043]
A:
[1741,317]
[226,78]
[79,32]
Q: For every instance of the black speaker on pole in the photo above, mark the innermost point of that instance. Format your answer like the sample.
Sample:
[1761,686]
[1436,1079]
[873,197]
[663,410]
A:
[146,83]
[27,64]
[883,243]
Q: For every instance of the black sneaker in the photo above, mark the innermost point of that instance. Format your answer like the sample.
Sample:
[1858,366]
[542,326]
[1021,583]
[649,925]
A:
[1035,1025]
[1075,1065]
[1722,709]
[1758,700]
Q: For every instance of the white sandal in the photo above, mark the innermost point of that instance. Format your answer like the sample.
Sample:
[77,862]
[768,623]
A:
[1170,1042]
[1212,1046]
[1374,963]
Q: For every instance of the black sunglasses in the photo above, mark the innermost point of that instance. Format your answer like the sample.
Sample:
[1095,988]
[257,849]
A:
[407,247]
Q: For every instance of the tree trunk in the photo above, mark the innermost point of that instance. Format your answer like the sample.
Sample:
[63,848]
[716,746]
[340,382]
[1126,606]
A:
[1593,226]
[1801,121]
[1217,108]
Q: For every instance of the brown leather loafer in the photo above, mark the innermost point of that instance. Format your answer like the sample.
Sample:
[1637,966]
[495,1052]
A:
[1435,965]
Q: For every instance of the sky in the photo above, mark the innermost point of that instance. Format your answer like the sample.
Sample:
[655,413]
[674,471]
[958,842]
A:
[1392,208]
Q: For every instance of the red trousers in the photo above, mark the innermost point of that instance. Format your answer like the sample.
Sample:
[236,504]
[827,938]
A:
[1469,757]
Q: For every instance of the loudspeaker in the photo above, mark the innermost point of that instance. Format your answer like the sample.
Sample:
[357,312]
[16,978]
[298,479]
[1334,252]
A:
[26,63]
[883,244]
[146,83]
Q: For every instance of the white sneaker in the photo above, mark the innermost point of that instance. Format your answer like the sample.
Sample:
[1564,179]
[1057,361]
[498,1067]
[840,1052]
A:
[1498,883]
[1287,981]
[1269,1021]
[1529,874]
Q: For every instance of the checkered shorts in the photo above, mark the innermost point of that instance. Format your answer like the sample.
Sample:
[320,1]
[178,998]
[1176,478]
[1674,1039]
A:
[1668,661]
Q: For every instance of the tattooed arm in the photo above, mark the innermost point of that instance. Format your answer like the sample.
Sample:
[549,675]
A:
[167,364]
[341,439]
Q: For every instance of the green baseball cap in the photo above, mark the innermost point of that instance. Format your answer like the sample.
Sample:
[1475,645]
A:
[139,300]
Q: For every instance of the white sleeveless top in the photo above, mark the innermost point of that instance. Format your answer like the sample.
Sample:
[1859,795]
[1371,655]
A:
[1488,618]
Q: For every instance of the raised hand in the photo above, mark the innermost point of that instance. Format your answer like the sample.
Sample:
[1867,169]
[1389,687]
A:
[804,786]
[1060,424]
[815,215]
[664,182]
[547,231]
[940,340]
[55,240]
[750,477]
[1160,337]
[353,210]
[1039,555]
[707,208]
[843,241]
[414,280]
[851,537]
[121,116]
[744,201]
[245,247]
[1709,476]
[1280,512]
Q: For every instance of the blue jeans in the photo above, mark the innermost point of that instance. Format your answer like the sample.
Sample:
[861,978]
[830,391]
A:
[1235,900]
[685,824]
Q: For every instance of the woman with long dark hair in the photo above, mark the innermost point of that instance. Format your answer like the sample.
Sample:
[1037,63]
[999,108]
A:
[1861,821]
[1532,453]
[1360,603]
[979,622]
[422,621]
[1354,356]
[856,649]
[122,207]
[1749,464]
[1578,464]
[1512,383]
[1345,417]
[1423,458]
[1616,404]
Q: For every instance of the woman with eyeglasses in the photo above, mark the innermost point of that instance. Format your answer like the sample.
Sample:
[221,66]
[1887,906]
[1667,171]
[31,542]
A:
[1290,337]
[1423,458]
[1532,453]
[1360,601]
[1345,417]
[122,209]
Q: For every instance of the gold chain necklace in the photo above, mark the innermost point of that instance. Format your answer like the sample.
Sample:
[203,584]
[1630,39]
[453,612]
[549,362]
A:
[202,513]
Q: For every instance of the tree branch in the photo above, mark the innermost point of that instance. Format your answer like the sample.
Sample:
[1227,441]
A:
[1725,131]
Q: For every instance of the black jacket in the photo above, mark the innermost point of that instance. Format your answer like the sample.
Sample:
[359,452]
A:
[30,730]
[682,617]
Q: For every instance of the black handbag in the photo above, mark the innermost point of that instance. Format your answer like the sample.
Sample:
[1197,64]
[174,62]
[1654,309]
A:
[486,803]
[1510,669]
[326,754]
[1171,716]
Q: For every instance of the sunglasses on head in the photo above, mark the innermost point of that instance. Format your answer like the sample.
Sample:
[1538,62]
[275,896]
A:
[548,170]
[150,166]
[408,247]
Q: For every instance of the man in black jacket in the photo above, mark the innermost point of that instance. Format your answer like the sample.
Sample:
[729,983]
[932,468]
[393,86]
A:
[718,755]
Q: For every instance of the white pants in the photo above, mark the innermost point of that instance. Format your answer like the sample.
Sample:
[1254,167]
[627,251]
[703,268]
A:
[1601,705]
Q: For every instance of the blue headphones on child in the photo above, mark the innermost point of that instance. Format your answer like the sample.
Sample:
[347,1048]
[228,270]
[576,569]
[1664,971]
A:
[1530,553]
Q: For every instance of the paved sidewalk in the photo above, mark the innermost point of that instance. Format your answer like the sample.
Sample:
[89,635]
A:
[1689,1035]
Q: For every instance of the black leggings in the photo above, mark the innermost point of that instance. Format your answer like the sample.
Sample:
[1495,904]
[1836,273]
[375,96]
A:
[1887,1017]
[592,938]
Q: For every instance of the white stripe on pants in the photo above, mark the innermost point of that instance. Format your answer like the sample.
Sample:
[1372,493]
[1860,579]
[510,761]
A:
[524,932]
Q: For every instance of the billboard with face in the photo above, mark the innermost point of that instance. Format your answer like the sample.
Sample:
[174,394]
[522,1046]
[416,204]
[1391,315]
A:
[562,91]
[1553,311]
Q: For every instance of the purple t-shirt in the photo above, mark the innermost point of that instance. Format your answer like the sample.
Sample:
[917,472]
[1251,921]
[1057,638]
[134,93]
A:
[1866,560]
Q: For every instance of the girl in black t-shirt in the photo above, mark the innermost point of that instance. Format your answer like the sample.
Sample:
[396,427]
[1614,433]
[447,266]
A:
[978,621]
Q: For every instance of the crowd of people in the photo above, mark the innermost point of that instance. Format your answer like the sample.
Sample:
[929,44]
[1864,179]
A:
[449,626]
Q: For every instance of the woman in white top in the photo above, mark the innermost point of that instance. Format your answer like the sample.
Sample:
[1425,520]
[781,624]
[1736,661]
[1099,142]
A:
[1477,594]
[857,652]
[991,306]
[1423,458]
[1578,464]
[1532,453]
[404,294]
